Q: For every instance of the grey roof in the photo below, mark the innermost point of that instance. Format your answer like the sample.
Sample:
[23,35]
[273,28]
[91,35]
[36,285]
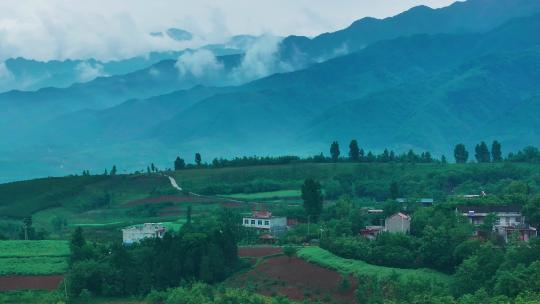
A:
[489,208]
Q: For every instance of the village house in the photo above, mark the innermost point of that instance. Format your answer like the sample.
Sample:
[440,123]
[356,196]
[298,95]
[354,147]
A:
[267,225]
[508,220]
[136,233]
[398,223]
[371,232]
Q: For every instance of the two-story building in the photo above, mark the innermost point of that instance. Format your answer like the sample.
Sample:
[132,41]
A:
[265,223]
[136,233]
[508,220]
[398,223]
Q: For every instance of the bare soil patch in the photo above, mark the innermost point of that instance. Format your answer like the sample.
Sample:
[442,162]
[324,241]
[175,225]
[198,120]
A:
[46,282]
[296,279]
[256,252]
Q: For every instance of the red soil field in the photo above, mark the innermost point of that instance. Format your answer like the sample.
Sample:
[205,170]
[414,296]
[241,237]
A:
[48,282]
[296,279]
[256,252]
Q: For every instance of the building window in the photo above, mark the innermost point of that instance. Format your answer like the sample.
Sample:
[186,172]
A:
[267,223]
[260,222]
[246,222]
[252,222]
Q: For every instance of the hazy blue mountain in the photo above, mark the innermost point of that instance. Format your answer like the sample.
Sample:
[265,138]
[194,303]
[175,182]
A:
[472,16]
[179,34]
[25,109]
[423,91]
[31,75]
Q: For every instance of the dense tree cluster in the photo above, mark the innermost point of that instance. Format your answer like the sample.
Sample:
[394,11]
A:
[203,250]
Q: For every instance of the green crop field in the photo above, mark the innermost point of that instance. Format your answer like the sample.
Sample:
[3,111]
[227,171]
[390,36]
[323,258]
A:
[280,194]
[10,249]
[33,257]
[319,256]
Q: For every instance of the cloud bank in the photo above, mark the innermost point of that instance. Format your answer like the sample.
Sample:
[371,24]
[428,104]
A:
[200,63]
[105,30]
[87,71]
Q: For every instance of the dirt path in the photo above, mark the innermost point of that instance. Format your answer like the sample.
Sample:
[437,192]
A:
[176,186]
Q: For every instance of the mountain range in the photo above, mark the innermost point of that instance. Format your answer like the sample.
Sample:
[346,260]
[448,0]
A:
[425,79]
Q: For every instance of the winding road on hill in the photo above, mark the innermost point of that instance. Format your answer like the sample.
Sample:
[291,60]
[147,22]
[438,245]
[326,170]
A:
[175,185]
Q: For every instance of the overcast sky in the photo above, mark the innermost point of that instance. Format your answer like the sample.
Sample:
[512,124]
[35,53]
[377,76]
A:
[111,29]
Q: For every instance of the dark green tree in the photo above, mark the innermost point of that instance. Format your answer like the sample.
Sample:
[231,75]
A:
[27,227]
[482,154]
[198,158]
[334,151]
[461,154]
[188,215]
[312,197]
[113,170]
[443,160]
[532,211]
[394,190]
[496,152]
[354,151]
[179,164]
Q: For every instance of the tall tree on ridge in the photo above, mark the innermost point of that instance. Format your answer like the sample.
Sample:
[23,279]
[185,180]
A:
[496,152]
[179,164]
[354,151]
[113,170]
[482,153]
[198,158]
[461,154]
[334,151]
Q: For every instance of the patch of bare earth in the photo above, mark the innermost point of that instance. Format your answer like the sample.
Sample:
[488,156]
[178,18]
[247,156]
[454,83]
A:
[46,282]
[296,279]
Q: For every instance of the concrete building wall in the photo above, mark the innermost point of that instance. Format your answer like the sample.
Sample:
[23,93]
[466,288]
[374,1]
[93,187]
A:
[397,224]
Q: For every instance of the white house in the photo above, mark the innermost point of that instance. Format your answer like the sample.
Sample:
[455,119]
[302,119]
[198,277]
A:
[136,233]
[398,223]
[265,222]
[508,220]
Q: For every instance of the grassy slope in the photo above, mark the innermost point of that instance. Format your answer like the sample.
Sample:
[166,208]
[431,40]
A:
[324,258]
[33,257]
[22,198]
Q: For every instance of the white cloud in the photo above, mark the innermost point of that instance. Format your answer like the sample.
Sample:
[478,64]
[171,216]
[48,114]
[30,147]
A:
[260,60]
[104,29]
[200,63]
[5,73]
[88,71]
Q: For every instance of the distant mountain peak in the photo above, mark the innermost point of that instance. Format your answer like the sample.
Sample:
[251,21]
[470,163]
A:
[179,34]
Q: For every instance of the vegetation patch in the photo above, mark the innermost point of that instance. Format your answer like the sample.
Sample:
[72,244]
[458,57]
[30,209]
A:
[33,257]
[326,259]
[265,195]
